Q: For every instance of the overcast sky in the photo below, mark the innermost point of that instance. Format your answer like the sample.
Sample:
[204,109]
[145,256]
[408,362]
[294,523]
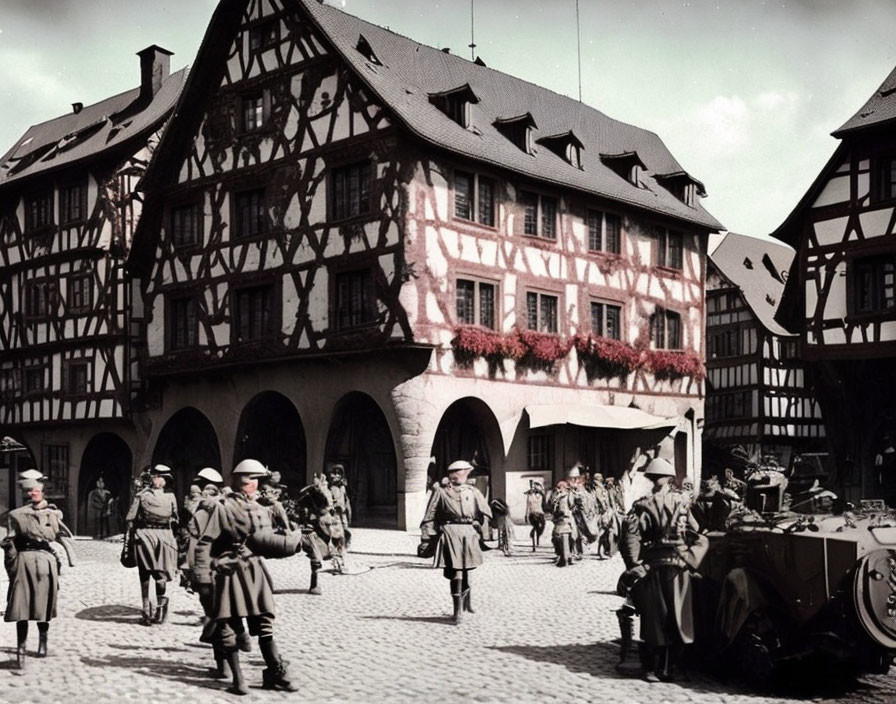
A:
[745,93]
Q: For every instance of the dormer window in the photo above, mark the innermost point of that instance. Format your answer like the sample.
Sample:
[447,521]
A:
[518,130]
[363,46]
[628,165]
[681,185]
[455,103]
[567,146]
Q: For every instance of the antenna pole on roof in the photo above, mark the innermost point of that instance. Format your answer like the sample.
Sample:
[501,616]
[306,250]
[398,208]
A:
[472,32]
[579,48]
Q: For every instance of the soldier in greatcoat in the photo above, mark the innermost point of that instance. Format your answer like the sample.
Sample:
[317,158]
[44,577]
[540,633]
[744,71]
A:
[239,533]
[566,532]
[33,566]
[451,518]
[661,546]
[342,505]
[535,506]
[151,521]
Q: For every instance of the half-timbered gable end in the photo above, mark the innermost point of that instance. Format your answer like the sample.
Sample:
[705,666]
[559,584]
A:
[330,188]
[841,296]
[757,392]
[68,211]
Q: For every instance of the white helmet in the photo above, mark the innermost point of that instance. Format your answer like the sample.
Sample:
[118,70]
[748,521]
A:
[252,468]
[210,475]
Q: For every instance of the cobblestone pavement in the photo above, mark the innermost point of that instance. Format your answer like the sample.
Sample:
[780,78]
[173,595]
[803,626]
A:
[379,634]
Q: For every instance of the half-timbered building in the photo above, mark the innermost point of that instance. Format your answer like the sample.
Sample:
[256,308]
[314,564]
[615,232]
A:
[757,395]
[364,250]
[841,295]
[68,210]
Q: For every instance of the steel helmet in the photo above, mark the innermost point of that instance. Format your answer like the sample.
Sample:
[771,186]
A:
[210,475]
[251,468]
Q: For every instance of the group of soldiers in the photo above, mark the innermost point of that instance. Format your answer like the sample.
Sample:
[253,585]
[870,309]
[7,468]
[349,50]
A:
[219,543]
[584,510]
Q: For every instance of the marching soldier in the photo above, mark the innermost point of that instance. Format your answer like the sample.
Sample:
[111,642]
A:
[240,534]
[342,505]
[152,520]
[451,518]
[660,546]
[566,531]
[535,505]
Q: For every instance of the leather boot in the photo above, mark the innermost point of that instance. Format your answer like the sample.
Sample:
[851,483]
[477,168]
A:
[458,599]
[466,601]
[274,676]
[42,644]
[220,658]
[146,614]
[244,641]
[162,609]
[239,684]
[20,656]
[314,588]
[625,615]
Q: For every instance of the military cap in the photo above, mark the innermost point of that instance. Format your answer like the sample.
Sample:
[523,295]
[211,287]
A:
[251,468]
[210,475]
[160,469]
[659,467]
[459,466]
[34,474]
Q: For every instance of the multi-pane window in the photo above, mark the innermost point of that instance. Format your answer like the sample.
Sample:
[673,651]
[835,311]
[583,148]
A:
[183,323]
[79,294]
[670,248]
[604,232]
[884,185]
[350,190]
[73,203]
[39,213]
[263,35]
[250,216]
[40,297]
[731,405]
[186,228]
[541,312]
[55,466]
[539,215]
[355,298]
[474,198]
[606,320]
[253,111]
[78,377]
[874,284]
[540,451]
[253,310]
[726,343]
[665,329]
[34,379]
[476,301]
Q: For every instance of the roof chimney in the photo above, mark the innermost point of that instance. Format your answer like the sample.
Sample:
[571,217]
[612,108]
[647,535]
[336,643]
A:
[155,65]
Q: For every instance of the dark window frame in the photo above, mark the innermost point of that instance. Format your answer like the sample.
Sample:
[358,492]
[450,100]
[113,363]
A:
[540,451]
[535,217]
[176,224]
[55,465]
[666,328]
[79,301]
[480,201]
[182,335]
[257,224]
[255,331]
[883,178]
[669,249]
[50,298]
[341,204]
[601,236]
[255,110]
[344,314]
[40,214]
[476,302]
[541,325]
[261,38]
[873,270]
[605,308]
[71,376]
[30,372]
[68,215]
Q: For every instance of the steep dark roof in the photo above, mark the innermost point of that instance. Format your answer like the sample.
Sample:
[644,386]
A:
[93,130]
[880,108]
[759,269]
[411,71]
